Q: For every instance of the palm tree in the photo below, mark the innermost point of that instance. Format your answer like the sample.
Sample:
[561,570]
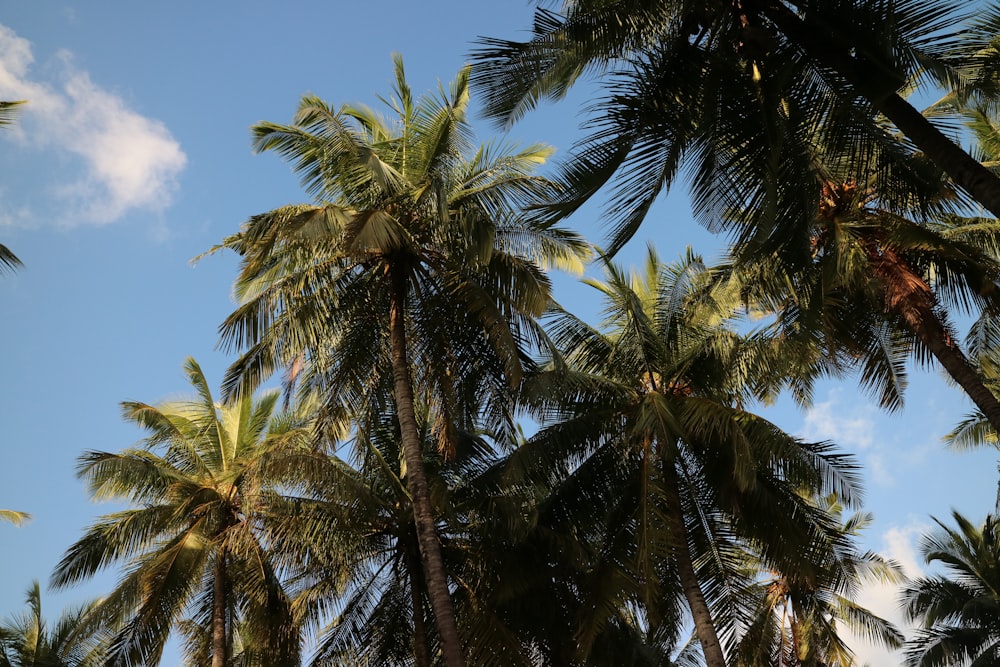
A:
[413,274]
[958,608]
[543,576]
[781,155]
[736,96]
[351,544]
[646,450]
[190,545]
[862,286]
[27,640]
[983,338]
[799,622]
[8,112]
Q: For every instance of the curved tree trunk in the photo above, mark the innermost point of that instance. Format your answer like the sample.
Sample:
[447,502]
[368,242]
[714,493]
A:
[220,639]
[421,653]
[879,88]
[416,482]
[704,626]
[909,297]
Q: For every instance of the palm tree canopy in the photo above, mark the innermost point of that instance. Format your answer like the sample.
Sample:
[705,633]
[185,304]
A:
[404,198]
[958,608]
[735,98]
[645,422]
[801,622]
[28,640]
[195,486]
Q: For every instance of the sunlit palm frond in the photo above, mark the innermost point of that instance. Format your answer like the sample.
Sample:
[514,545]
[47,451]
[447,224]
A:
[198,483]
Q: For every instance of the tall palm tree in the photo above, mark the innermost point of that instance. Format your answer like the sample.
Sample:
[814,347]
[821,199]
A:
[352,547]
[737,94]
[983,337]
[8,112]
[647,449]
[959,607]
[27,640]
[863,286]
[189,546]
[413,274]
[800,622]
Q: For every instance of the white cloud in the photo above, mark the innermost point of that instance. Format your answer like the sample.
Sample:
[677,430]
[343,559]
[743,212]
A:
[131,162]
[844,425]
[898,544]
[853,424]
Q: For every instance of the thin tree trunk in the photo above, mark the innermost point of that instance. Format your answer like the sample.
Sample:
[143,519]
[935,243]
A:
[220,640]
[704,626]
[421,652]
[416,482]
[909,297]
[879,88]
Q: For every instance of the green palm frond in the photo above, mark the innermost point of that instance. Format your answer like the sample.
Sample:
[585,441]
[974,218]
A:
[956,608]
[8,114]
[29,640]
[652,400]
[198,483]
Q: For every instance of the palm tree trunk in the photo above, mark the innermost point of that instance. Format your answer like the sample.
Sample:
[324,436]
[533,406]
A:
[421,653]
[220,641]
[416,483]
[909,297]
[879,88]
[704,627]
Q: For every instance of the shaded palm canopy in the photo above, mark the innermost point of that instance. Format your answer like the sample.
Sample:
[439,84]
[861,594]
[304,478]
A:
[958,608]
[737,96]
[800,623]
[351,546]
[785,118]
[865,288]
[189,544]
[414,276]
[646,452]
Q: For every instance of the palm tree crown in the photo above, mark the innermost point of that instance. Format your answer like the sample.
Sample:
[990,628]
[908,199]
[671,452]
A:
[27,640]
[958,608]
[736,96]
[647,449]
[413,272]
[189,546]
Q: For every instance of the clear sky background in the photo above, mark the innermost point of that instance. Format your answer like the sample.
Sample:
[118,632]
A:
[133,156]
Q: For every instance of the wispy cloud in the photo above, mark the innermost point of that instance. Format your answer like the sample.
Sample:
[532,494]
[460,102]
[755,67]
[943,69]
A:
[845,425]
[858,426]
[899,544]
[130,162]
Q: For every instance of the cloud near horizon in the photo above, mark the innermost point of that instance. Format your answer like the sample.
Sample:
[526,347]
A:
[131,162]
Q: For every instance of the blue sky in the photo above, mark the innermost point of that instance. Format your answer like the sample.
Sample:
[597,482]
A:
[133,157]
